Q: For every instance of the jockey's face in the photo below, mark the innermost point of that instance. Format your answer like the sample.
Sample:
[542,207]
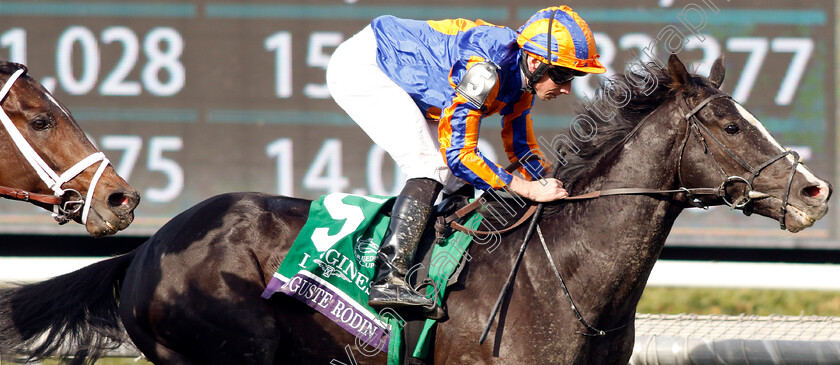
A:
[546,89]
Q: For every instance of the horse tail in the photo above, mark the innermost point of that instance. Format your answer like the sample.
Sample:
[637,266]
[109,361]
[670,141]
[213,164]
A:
[78,311]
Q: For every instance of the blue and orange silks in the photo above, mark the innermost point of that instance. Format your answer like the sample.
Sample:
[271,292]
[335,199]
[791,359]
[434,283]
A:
[428,59]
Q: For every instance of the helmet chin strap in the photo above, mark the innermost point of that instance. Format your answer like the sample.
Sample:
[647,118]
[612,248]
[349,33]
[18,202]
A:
[531,78]
[534,77]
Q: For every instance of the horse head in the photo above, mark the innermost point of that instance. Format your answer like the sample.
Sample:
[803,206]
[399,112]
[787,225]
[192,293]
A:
[45,152]
[725,146]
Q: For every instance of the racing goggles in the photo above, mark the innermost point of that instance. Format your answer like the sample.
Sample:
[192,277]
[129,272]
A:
[562,75]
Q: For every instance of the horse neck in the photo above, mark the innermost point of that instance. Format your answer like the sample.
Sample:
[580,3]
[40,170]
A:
[609,245]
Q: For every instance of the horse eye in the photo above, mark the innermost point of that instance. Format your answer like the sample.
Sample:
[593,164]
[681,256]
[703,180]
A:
[40,124]
[731,128]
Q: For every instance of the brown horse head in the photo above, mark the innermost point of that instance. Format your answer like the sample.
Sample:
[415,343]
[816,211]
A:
[727,146]
[92,192]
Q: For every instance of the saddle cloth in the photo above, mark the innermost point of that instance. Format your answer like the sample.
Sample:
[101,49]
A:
[331,263]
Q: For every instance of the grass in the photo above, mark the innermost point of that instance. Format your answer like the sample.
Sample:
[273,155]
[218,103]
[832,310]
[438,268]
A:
[736,301]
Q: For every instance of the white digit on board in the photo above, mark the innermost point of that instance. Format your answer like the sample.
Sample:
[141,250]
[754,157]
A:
[282,150]
[167,166]
[163,46]
[115,83]
[711,51]
[281,44]
[15,40]
[130,145]
[90,60]
[315,57]
[325,173]
[757,49]
[801,49]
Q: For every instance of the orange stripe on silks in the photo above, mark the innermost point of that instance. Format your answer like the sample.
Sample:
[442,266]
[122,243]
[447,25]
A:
[455,26]
[451,26]
[433,113]
[535,149]
[519,108]
[466,154]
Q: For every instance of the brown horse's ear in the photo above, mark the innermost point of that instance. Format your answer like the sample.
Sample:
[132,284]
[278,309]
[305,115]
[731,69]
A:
[718,72]
[679,75]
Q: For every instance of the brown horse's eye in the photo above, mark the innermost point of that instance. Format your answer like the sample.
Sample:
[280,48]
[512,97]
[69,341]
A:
[731,128]
[40,124]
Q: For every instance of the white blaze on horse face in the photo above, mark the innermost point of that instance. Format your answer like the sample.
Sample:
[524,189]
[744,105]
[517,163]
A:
[810,177]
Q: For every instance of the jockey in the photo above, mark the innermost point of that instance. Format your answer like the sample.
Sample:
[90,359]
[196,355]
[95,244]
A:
[397,76]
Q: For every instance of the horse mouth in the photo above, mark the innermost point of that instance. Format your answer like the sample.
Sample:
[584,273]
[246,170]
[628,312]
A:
[100,225]
[797,219]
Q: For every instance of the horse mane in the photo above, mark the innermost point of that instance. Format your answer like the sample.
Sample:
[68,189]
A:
[624,118]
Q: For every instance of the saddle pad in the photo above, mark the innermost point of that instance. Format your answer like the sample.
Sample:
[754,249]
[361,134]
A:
[331,263]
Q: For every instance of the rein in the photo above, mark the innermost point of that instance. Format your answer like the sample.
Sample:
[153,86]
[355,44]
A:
[66,202]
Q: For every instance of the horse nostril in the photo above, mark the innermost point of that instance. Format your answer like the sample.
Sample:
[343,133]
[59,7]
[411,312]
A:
[122,201]
[812,191]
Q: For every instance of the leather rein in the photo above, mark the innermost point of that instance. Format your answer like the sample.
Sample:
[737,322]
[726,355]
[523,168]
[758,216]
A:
[694,125]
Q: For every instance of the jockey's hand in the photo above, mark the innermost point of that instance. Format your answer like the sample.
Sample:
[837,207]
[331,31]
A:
[543,190]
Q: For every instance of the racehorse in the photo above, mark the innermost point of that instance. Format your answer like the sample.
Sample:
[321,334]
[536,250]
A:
[46,159]
[191,293]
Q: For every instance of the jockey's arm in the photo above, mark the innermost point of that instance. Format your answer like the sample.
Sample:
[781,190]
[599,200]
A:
[458,133]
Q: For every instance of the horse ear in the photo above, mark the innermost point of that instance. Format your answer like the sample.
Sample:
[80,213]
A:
[679,75]
[718,72]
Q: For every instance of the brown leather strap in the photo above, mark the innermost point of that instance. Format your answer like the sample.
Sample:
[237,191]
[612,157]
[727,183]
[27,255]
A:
[469,208]
[470,231]
[641,191]
[22,195]
[452,219]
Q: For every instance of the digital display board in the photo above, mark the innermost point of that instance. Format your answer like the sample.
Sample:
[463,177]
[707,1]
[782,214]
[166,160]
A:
[190,99]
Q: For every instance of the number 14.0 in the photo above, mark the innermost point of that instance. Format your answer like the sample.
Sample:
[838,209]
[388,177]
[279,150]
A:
[326,174]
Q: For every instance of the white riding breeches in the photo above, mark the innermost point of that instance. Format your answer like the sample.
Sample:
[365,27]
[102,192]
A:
[383,109]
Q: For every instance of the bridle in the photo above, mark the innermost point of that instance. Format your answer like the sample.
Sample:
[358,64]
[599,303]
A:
[66,202]
[741,203]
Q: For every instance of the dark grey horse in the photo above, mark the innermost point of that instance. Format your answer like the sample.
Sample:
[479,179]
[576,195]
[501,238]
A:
[191,293]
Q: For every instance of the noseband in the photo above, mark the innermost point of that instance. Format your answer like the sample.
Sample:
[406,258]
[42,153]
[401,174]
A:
[742,203]
[66,202]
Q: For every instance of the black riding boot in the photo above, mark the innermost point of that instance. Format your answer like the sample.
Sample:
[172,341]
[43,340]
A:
[396,253]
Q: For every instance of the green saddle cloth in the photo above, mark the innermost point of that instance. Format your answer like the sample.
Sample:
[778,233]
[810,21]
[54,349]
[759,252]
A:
[331,263]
